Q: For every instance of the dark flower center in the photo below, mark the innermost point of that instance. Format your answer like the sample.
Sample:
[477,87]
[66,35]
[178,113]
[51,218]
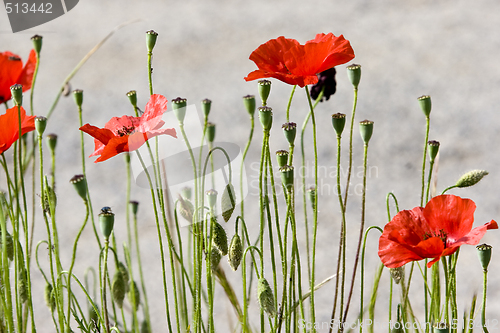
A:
[125,130]
[12,58]
[440,234]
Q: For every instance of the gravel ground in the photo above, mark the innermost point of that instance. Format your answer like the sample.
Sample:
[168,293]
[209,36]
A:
[446,49]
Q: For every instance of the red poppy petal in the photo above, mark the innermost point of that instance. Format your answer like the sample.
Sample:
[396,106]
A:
[26,76]
[474,236]
[452,214]
[115,146]
[287,78]
[9,126]
[101,134]
[269,56]
[10,68]
[118,123]
[155,108]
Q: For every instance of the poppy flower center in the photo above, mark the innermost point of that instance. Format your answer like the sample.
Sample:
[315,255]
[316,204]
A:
[440,234]
[125,130]
[13,58]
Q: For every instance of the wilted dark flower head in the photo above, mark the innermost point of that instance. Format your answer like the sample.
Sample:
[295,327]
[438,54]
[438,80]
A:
[326,79]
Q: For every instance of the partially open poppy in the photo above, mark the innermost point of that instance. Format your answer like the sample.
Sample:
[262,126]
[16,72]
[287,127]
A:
[435,231]
[288,61]
[129,133]
[12,72]
[9,127]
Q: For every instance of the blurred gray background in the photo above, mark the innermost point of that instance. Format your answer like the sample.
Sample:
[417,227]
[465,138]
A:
[443,48]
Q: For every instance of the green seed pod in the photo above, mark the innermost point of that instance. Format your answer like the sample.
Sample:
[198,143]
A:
[228,202]
[132,97]
[290,131]
[354,74]
[266,117]
[145,327]
[211,198]
[433,149]
[264,90]
[366,130]
[249,101]
[179,107]
[134,206]
[78,95]
[282,158]
[51,140]
[287,178]
[338,122]
[37,43]
[134,292]
[397,274]
[425,104]
[49,296]
[151,37]
[106,221]
[16,91]
[484,253]
[441,328]
[118,288]
[219,237]
[215,258]
[235,253]
[80,184]
[471,178]
[266,297]
[40,125]
[210,132]
[206,104]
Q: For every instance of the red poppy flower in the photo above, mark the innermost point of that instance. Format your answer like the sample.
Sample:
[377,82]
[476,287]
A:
[437,230]
[288,61]
[129,133]
[9,127]
[12,72]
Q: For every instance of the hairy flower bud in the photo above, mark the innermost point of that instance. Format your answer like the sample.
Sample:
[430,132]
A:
[219,237]
[471,178]
[118,288]
[235,253]
[266,297]
[134,295]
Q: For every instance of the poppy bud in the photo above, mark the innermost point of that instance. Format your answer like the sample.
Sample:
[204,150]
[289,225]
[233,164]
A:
[151,37]
[80,184]
[354,74]
[40,125]
[134,292]
[134,206]
[78,95]
[484,253]
[186,192]
[145,327]
[186,209]
[219,238]
[93,316]
[52,142]
[228,202]
[126,277]
[366,130]
[205,107]
[37,43]
[118,289]
[311,195]
[266,117]
[9,245]
[397,274]
[425,104]
[22,288]
[338,122]
[215,258]
[212,198]
[433,149]
[282,157]
[49,296]
[179,107]
[266,297]
[210,132]
[235,253]
[106,221]
[264,90]
[132,97]
[290,130]
[249,101]
[17,93]
[441,328]
[286,173]
[471,178]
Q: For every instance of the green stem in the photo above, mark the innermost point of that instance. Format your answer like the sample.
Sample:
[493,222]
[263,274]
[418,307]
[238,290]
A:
[290,104]
[483,310]
[349,170]
[103,289]
[427,126]
[245,151]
